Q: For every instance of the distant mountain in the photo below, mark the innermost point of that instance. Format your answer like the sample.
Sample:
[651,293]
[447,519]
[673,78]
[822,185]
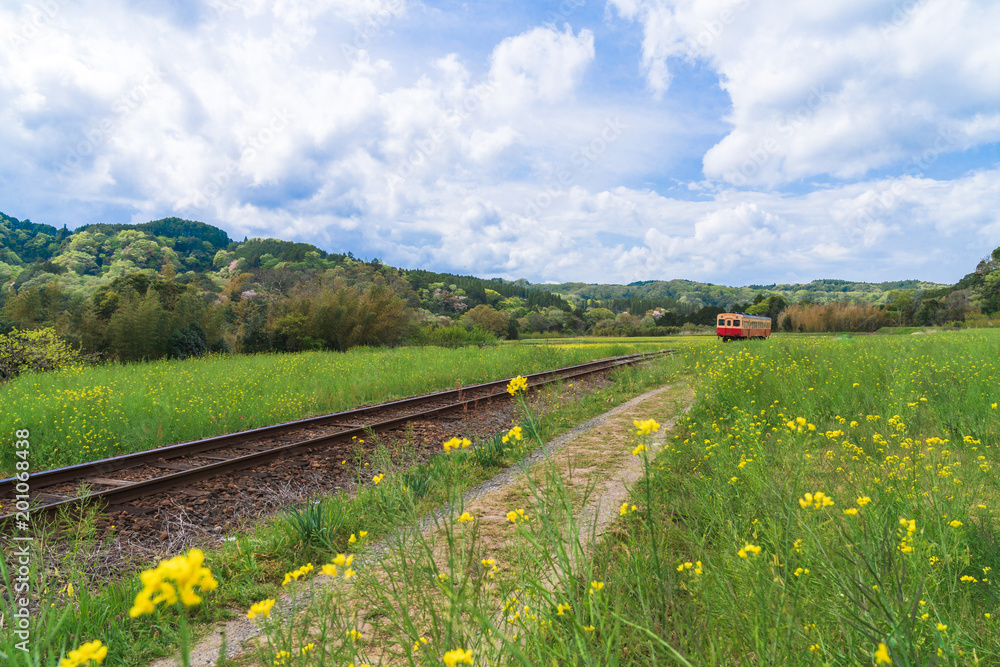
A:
[687,295]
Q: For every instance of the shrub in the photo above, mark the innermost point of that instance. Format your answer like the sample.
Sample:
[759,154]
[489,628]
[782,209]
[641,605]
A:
[34,350]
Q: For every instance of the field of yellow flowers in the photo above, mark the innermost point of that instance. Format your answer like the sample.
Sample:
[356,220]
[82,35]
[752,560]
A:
[84,414]
[827,501]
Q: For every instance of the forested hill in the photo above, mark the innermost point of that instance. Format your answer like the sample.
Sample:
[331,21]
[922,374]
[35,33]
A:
[686,294]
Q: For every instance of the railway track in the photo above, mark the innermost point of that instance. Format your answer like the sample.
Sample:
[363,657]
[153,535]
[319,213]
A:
[138,475]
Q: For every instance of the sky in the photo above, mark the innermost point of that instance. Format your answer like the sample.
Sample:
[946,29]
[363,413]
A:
[729,141]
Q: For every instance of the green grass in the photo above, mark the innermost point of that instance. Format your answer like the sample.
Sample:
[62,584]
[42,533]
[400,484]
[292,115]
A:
[911,423]
[84,414]
[250,567]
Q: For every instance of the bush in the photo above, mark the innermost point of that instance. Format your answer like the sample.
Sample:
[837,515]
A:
[455,336]
[189,341]
[34,350]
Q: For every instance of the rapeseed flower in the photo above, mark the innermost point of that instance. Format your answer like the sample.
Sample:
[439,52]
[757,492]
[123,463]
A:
[91,651]
[171,580]
[645,426]
[465,516]
[882,655]
[517,384]
[262,608]
[452,658]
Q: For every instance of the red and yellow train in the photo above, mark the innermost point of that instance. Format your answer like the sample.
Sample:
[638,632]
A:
[736,326]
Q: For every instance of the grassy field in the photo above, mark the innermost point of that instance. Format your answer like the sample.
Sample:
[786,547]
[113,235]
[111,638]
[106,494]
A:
[71,605]
[828,501]
[84,414]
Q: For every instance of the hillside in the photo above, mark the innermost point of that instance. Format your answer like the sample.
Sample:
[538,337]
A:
[687,294]
[178,287]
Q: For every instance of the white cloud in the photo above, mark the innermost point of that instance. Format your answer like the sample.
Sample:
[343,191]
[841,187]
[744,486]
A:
[540,65]
[833,89]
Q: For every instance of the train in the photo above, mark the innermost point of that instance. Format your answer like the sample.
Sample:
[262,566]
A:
[740,326]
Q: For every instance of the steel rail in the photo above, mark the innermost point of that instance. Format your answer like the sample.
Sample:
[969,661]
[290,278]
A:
[155,485]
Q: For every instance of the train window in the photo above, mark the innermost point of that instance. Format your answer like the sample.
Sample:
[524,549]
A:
[729,323]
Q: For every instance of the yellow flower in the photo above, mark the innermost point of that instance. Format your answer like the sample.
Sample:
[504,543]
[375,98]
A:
[955,524]
[638,450]
[307,648]
[378,478]
[516,515]
[588,628]
[816,500]
[451,444]
[171,580]
[452,658]
[487,562]
[514,433]
[329,570]
[596,586]
[561,609]
[94,650]
[353,635]
[262,608]
[882,655]
[645,426]
[279,659]
[295,574]
[465,516]
[942,627]
[343,560]
[624,509]
[814,647]
[517,384]
[851,511]
[748,547]
[864,500]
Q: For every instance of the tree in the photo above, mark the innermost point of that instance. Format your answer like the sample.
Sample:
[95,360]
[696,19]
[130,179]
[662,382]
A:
[33,350]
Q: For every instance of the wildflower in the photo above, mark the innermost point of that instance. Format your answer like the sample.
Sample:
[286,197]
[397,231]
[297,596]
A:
[262,608]
[517,384]
[638,450]
[588,628]
[955,524]
[864,500]
[487,562]
[295,574]
[516,515]
[353,635]
[378,478]
[417,643]
[800,571]
[343,560]
[814,648]
[348,573]
[307,648]
[968,579]
[280,658]
[451,444]
[354,538]
[442,577]
[851,511]
[94,650]
[748,547]
[329,570]
[514,433]
[684,566]
[465,516]
[623,510]
[817,500]
[561,609]
[882,655]
[596,586]
[645,426]
[452,658]
[176,576]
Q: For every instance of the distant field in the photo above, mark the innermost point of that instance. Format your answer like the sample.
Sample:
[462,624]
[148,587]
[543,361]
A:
[90,413]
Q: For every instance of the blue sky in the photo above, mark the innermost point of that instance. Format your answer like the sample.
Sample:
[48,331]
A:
[731,141]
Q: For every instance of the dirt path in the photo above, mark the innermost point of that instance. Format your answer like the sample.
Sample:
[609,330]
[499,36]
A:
[594,460]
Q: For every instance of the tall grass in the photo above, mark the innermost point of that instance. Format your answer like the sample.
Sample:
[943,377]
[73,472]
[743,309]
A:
[84,414]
